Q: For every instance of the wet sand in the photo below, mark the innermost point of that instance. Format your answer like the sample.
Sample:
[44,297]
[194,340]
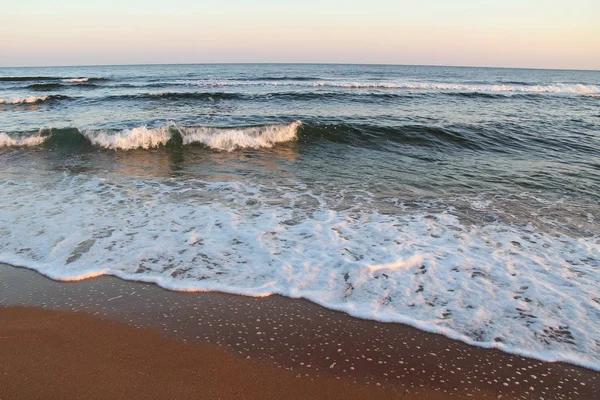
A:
[213,345]
[61,355]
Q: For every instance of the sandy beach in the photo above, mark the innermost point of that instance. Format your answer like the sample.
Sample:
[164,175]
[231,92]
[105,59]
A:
[108,338]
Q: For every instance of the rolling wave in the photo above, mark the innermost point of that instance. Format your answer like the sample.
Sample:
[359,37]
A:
[559,88]
[295,96]
[45,87]
[224,139]
[32,99]
[179,96]
[255,137]
[436,138]
[229,139]
[286,78]
[48,78]
[83,80]
[27,78]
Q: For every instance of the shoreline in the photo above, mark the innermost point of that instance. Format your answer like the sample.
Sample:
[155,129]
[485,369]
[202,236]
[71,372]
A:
[303,339]
[453,336]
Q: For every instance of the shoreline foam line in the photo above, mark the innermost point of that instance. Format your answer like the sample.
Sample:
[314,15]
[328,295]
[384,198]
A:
[423,326]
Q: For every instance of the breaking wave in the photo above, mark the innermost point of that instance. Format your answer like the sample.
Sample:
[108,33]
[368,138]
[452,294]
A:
[286,78]
[32,99]
[224,139]
[447,138]
[83,80]
[8,141]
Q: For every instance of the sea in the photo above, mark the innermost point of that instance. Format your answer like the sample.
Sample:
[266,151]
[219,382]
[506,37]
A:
[461,201]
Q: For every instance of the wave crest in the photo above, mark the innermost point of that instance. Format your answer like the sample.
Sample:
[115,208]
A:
[231,139]
[83,80]
[27,141]
[224,139]
[31,99]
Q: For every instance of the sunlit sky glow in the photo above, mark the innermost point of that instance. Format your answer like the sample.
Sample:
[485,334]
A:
[508,33]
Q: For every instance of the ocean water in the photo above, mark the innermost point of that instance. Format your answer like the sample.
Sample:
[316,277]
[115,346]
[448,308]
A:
[463,201]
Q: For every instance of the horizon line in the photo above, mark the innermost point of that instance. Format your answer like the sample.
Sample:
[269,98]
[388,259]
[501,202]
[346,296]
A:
[299,63]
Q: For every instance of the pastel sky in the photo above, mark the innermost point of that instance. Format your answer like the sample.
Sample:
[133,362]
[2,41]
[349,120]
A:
[508,33]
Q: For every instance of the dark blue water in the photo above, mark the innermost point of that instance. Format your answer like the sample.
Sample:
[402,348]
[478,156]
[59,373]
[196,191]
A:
[338,183]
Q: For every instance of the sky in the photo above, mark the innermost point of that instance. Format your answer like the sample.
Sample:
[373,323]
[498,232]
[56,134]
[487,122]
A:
[502,33]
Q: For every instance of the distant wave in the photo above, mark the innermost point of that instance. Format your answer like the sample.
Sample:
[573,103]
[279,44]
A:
[442,87]
[180,96]
[48,78]
[83,80]
[45,87]
[296,96]
[32,99]
[286,78]
[27,78]
[225,139]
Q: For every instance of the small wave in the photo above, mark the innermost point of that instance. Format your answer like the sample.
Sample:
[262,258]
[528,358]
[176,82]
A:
[365,135]
[76,80]
[558,88]
[27,78]
[224,139]
[209,96]
[31,99]
[286,78]
[194,95]
[48,78]
[83,81]
[43,87]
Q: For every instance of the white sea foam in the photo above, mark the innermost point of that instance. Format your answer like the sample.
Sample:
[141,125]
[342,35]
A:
[76,80]
[493,285]
[24,100]
[558,88]
[227,139]
[128,139]
[231,139]
[8,141]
